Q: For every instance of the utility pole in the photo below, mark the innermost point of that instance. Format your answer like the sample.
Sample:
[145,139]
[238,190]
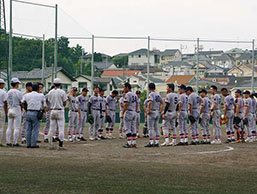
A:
[43,60]
[3,32]
[56,42]
[9,74]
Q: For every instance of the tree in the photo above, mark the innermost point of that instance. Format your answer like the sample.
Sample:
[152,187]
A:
[120,61]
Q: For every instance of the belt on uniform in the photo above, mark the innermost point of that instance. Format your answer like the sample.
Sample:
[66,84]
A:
[103,110]
[153,110]
[33,110]
[56,109]
[96,109]
[138,111]
[111,110]
[205,112]
[130,110]
[83,110]
[74,111]
[171,111]
[183,110]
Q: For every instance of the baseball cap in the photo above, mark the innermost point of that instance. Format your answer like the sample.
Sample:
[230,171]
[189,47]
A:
[203,91]
[238,91]
[182,86]
[189,88]
[101,90]
[57,81]
[2,81]
[138,92]
[29,84]
[15,80]
[247,92]
[84,90]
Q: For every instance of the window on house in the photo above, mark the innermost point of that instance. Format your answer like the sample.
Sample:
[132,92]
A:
[82,85]
[65,87]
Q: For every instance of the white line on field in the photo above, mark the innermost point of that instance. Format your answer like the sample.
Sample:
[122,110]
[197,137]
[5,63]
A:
[228,149]
[44,134]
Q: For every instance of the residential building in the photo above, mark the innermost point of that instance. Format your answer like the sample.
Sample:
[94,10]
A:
[140,58]
[225,61]
[242,70]
[178,68]
[108,73]
[180,79]
[170,55]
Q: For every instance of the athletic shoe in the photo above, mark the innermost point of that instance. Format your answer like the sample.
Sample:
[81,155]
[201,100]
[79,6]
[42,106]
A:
[203,142]
[2,145]
[28,146]
[149,145]
[121,136]
[82,139]
[219,141]
[46,140]
[37,146]
[193,143]
[165,144]
[38,141]
[134,146]
[9,145]
[16,145]
[215,141]
[91,138]
[97,138]
[70,139]
[57,139]
[102,137]
[180,144]
[127,146]
[157,145]
[23,141]
[186,143]
[248,139]
[77,139]
[228,141]
[208,142]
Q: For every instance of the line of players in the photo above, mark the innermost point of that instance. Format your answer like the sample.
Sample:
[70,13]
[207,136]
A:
[174,111]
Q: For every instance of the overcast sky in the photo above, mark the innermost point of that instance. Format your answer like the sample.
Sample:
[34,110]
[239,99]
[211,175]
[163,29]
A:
[207,19]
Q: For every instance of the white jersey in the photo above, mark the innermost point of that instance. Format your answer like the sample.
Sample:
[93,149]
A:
[34,100]
[57,97]
[14,98]
[3,97]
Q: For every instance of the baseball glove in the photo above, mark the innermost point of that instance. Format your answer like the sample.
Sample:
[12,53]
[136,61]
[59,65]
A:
[91,120]
[108,119]
[237,120]
[245,121]
[191,119]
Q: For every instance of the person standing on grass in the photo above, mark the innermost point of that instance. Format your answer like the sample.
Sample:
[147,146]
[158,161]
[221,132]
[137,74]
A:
[155,107]
[23,117]
[3,109]
[239,114]
[215,113]
[248,116]
[138,93]
[253,110]
[145,129]
[205,117]
[229,104]
[129,114]
[32,102]
[111,112]
[121,126]
[57,98]
[83,105]
[14,97]
[102,101]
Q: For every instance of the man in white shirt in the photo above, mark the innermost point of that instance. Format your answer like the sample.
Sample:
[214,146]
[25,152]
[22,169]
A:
[3,109]
[33,103]
[57,98]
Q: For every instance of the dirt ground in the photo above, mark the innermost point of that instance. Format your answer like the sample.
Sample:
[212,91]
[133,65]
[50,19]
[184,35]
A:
[105,167]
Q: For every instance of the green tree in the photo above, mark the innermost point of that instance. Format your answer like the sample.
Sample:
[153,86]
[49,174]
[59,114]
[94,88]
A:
[120,61]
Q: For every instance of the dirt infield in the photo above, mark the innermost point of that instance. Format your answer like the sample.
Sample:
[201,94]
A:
[105,167]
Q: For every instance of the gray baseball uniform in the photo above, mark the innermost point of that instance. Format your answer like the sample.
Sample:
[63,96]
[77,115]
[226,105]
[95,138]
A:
[23,122]
[102,101]
[121,103]
[230,103]
[216,99]
[205,117]
[254,104]
[240,103]
[111,107]
[249,116]
[171,115]
[138,115]
[95,111]
[154,116]
[3,99]
[83,105]
[73,127]
[182,119]
[195,100]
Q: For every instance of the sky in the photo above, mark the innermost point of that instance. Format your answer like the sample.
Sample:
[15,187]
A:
[180,19]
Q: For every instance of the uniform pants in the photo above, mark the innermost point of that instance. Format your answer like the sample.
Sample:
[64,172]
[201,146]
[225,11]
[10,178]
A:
[121,127]
[216,123]
[229,124]
[47,124]
[254,122]
[138,122]
[182,123]
[57,120]
[250,126]
[2,121]
[194,126]
[111,124]
[32,126]
[241,125]
[93,130]
[130,122]
[82,122]
[205,124]
[23,124]
[101,124]
[14,122]
[153,124]
[73,127]
[169,123]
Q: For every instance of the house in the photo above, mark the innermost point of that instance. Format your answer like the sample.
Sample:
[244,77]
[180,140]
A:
[180,79]
[108,73]
[225,61]
[215,71]
[35,76]
[87,58]
[211,54]
[242,70]
[245,85]
[203,67]
[246,58]
[235,52]
[84,81]
[140,57]
[170,55]
[178,68]
[101,66]
[204,83]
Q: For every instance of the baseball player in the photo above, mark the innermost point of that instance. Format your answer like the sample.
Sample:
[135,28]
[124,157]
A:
[253,110]
[170,115]
[194,111]
[111,112]
[121,126]
[94,111]
[145,129]
[239,114]
[229,104]
[102,102]
[83,105]
[3,109]
[138,93]
[41,88]
[33,102]
[14,97]
[155,106]
[23,116]
[248,115]
[57,97]
[129,114]
[182,116]
[215,113]
[74,115]
[205,117]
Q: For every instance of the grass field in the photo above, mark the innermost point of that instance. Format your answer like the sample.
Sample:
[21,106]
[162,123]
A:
[105,167]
